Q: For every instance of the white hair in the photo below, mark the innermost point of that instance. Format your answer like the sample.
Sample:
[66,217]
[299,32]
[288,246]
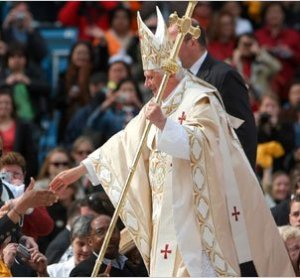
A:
[289,232]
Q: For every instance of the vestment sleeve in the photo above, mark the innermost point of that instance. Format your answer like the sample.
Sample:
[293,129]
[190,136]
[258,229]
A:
[174,140]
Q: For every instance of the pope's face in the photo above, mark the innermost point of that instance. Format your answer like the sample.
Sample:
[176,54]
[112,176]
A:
[152,80]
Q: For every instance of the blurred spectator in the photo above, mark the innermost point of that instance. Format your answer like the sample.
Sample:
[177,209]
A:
[80,241]
[73,88]
[242,25]
[59,249]
[18,27]
[203,13]
[13,167]
[222,37]
[282,42]
[30,91]
[118,69]
[290,109]
[119,264]
[17,134]
[270,129]
[90,17]
[116,111]
[75,127]
[81,148]
[56,161]
[291,238]
[119,34]
[255,64]
[279,189]
[294,214]
[281,211]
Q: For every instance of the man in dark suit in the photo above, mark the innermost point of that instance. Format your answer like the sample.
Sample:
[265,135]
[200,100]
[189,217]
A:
[118,264]
[194,56]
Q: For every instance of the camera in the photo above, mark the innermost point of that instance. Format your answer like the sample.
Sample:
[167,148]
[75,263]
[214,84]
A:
[23,253]
[20,16]
[264,118]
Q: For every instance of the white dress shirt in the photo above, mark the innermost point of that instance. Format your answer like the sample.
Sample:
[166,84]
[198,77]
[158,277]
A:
[61,269]
[197,65]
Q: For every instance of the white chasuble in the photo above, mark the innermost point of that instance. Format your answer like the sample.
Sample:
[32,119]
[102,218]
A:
[204,215]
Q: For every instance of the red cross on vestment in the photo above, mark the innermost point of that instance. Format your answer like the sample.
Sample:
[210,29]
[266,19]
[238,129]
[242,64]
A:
[166,251]
[182,117]
[235,214]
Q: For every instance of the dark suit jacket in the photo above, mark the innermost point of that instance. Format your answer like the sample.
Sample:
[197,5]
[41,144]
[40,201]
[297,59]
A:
[236,100]
[281,213]
[58,246]
[85,269]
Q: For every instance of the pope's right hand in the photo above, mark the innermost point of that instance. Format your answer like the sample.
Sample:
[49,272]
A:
[67,177]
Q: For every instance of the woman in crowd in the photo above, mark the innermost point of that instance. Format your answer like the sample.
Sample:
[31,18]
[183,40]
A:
[272,134]
[222,38]
[80,242]
[119,108]
[73,88]
[119,34]
[17,135]
[81,148]
[56,161]
[30,91]
[278,190]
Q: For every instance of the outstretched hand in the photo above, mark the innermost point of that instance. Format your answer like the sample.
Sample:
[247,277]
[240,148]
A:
[34,198]
[67,177]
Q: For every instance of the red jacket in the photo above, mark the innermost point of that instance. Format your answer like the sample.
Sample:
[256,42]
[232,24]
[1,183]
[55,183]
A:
[220,50]
[38,223]
[287,37]
[82,14]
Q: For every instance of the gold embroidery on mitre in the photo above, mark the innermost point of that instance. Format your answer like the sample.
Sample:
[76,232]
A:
[155,49]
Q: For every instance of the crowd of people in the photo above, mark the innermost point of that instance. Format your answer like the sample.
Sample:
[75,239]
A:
[102,89]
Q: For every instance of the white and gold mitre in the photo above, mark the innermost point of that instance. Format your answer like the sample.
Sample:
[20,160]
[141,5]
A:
[155,48]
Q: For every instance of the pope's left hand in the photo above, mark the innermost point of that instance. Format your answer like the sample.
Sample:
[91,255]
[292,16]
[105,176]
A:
[155,115]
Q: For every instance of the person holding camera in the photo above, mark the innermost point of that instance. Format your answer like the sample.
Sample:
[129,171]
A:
[18,27]
[117,110]
[279,136]
[254,64]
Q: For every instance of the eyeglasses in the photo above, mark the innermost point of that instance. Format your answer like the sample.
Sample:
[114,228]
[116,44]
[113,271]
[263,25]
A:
[60,163]
[86,152]
[295,213]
